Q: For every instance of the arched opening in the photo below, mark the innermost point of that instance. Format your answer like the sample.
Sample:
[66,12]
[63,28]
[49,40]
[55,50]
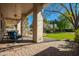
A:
[57,22]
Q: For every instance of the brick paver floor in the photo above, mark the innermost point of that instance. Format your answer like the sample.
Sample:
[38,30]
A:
[51,48]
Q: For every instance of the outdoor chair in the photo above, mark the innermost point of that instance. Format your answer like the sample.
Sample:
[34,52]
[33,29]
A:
[13,35]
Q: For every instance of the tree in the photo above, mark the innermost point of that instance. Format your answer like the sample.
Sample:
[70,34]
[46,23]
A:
[63,23]
[72,15]
[45,25]
[71,9]
[53,22]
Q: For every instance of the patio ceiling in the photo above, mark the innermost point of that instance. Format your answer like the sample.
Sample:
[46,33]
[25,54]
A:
[14,11]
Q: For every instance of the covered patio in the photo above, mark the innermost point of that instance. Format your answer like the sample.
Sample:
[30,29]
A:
[15,15]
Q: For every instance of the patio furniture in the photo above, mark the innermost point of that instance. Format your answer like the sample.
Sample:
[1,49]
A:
[13,35]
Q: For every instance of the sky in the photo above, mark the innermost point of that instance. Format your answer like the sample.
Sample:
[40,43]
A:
[52,16]
[30,19]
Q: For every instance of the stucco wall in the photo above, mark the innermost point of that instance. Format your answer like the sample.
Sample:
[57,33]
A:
[2,28]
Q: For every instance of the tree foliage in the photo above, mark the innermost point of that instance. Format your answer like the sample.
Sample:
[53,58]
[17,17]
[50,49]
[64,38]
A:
[63,23]
[72,10]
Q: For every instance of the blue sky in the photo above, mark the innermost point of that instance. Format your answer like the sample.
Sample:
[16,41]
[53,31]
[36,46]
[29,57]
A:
[30,19]
[52,16]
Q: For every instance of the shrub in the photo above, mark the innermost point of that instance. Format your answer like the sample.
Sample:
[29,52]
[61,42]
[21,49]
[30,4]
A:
[77,35]
[47,30]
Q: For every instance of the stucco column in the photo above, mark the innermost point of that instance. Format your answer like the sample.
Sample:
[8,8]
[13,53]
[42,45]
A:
[19,27]
[2,28]
[24,28]
[37,25]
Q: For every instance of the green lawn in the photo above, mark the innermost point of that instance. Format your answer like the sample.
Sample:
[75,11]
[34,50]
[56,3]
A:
[61,35]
